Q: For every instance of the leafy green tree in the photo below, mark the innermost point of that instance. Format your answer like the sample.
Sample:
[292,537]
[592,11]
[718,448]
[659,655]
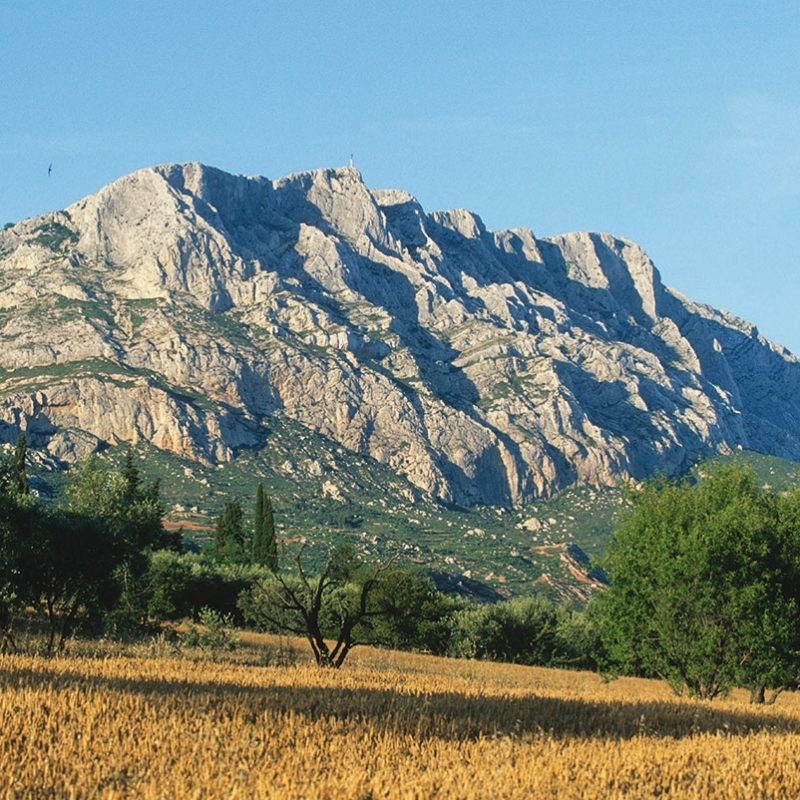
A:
[408,613]
[74,581]
[169,579]
[701,587]
[18,557]
[774,663]
[131,513]
[265,546]
[80,563]
[59,562]
[229,538]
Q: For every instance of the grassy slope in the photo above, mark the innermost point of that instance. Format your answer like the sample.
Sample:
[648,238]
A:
[324,493]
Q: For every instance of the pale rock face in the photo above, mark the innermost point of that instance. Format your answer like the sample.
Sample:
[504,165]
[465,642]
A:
[181,305]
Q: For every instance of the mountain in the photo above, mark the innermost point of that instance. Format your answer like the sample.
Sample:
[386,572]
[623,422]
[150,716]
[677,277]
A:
[187,307]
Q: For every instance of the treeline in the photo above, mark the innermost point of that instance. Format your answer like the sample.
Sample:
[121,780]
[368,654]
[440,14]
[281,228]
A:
[99,561]
[404,611]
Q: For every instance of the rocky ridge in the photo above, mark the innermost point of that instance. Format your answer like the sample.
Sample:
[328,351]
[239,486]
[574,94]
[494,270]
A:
[184,306]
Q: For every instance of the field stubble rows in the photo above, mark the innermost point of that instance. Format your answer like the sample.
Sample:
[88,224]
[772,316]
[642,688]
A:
[388,725]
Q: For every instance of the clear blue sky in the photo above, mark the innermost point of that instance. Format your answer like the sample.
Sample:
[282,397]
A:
[676,124]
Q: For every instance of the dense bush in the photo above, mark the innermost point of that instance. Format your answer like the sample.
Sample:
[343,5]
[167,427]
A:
[180,585]
[529,630]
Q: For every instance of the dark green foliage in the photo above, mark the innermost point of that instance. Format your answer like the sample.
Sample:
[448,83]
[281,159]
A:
[131,514]
[75,574]
[521,630]
[180,585]
[704,589]
[578,644]
[60,562]
[229,538]
[19,518]
[265,547]
[169,578]
[408,613]
[172,540]
[53,235]
[526,630]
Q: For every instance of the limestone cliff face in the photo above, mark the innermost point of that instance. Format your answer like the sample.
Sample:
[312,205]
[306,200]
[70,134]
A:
[184,305]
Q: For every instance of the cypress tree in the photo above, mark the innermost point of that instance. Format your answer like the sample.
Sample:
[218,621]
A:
[20,476]
[130,473]
[265,548]
[229,536]
[258,527]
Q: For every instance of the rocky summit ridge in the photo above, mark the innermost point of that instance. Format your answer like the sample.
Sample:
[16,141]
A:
[185,306]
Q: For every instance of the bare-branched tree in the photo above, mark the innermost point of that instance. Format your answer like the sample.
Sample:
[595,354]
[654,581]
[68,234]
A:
[336,600]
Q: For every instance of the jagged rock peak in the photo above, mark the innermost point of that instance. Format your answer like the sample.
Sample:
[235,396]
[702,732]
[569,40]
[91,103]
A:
[184,305]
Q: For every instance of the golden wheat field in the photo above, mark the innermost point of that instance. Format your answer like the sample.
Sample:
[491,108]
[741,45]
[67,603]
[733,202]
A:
[388,725]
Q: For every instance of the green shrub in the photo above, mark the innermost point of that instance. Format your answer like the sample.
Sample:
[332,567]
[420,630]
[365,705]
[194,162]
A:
[181,584]
[214,635]
[53,235]
[521,630]
[528,630]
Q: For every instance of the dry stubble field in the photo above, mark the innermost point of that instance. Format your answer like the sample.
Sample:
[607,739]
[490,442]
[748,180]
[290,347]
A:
[387,725]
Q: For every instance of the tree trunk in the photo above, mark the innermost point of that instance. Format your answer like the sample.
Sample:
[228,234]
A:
[757,694]
[6,637]
[51,618]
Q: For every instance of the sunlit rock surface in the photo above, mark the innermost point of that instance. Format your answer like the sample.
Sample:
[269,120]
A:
[183,305]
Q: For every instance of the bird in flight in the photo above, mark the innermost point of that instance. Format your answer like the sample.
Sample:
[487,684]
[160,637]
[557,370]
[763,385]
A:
[49,169]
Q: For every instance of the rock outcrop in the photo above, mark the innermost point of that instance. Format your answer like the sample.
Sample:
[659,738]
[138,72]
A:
[183,305]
